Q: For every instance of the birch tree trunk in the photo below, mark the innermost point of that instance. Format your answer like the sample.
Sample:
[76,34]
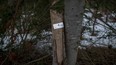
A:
[73,19]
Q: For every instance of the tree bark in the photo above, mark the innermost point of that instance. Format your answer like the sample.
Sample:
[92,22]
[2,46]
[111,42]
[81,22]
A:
[73,18]
[58,37]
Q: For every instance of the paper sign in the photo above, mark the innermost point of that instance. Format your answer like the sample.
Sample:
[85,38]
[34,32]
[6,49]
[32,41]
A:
[58,25]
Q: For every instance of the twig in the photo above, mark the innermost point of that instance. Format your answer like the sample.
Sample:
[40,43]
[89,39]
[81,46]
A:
[4,60]
[37,60]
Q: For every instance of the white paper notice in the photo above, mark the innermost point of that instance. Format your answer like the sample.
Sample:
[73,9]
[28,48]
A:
[58,25]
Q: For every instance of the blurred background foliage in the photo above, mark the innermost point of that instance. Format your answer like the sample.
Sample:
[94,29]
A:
[25,28]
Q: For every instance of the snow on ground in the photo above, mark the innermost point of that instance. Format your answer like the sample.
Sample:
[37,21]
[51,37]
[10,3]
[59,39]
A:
[102,31]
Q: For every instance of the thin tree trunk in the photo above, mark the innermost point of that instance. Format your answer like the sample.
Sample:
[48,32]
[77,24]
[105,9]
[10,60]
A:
[73,19]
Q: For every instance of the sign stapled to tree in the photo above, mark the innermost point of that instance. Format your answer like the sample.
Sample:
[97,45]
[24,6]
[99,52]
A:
[58,25]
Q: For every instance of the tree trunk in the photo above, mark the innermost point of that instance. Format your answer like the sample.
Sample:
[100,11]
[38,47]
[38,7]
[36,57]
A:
[58,36]
[73,19]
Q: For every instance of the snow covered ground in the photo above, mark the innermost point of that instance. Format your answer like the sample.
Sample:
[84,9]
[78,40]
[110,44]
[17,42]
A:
[104,35]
